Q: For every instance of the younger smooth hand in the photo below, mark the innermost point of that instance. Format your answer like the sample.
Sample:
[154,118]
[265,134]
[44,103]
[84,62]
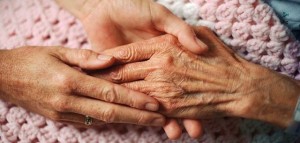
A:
[44,81]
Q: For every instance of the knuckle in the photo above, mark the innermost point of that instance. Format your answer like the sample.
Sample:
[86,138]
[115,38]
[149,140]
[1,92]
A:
[109,94]
[170,98]
[63,81]
[61,104]
[169,106]
[133,103]
[165,62]
[143,119]
[116,76]
[84,55]
[125,54]
[108,115]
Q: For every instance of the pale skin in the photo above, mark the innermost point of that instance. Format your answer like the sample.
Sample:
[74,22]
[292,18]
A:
[114,23]
[216,84]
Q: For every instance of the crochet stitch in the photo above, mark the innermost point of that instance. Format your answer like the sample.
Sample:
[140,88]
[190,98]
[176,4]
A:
[251,28]
[248,26]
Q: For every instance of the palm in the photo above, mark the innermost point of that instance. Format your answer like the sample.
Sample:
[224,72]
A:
[115,23]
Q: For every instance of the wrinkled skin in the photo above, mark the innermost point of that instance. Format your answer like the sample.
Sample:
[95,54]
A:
[114,23]
[218,83]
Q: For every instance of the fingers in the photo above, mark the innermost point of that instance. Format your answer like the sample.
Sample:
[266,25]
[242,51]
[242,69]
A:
[165,21]
[159,89]
[77,119]
[196,105]
[85,59]
[110,113]
[133,52]
[126,73]
[142,86]
[172,129]
[113,93]
[193,127]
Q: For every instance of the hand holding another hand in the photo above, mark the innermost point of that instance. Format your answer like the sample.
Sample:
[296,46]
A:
[42,80]
[115,23]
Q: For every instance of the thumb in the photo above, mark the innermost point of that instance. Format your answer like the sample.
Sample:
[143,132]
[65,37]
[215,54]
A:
[167,22]
[85,59]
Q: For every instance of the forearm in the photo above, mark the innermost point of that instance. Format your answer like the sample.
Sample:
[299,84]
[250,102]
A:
[3,56]
[280,94]
[79,8]
[285,104]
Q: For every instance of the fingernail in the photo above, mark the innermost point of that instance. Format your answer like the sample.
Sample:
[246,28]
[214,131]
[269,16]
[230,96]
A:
[151,106]
[200,43]
[104,58]
[158,122]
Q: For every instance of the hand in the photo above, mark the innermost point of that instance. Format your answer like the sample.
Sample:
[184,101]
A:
[218,83]
[113,23]
[43,81]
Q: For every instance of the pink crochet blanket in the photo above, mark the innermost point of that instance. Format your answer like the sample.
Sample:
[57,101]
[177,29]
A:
[248,26]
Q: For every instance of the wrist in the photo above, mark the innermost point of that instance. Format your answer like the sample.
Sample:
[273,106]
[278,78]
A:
[79,8]
[279,97]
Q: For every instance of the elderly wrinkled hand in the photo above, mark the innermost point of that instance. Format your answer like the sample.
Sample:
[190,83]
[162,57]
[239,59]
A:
[217,83]
[114,23]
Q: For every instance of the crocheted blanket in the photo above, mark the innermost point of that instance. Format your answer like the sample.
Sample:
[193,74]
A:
[248,26]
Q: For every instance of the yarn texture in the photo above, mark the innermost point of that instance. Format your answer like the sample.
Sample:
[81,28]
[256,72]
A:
[249,27]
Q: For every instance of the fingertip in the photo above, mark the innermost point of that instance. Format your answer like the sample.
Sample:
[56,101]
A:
[85,59]
[193,127]
[143,101]
[96,62]
[152,106]
[102,57]
[105,61]
[172,129]
[195,133]
[202,45]
[190,41]
[169,23]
